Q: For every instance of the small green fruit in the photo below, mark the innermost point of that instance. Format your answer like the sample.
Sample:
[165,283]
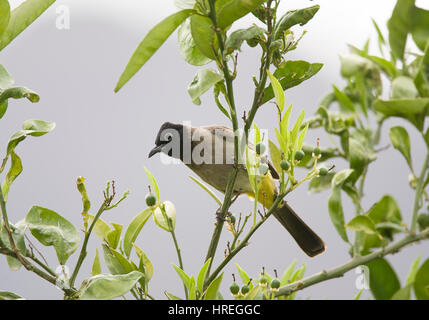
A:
[245,289]
[150,199]
[423,221]
[263,280]
[323,171]
[260,148]
[285,165]
[275,284]
[316,151]
[234,288]
[299,155]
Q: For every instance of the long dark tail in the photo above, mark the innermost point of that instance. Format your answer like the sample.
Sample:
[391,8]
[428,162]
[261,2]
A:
[306,238]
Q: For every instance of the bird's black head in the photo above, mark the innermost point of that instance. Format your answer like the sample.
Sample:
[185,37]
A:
[169,140]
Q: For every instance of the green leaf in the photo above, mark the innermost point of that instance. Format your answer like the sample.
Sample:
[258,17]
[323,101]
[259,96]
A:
[113,236]
[188,49]
[6,80]
[352,64]
[21,17]
[101,228]
[340,177]
[252,35]
[320,183]
[357,297]
[413,270]
[244,276]
[171,296]
[35,128]
[336,212]
[213,288]
[18,236]
[287,274]
[19,93]
[170,212]
[421,282]
[421,79]
[362,223]
[412,109]
[134,229]
[151,43]
[6,295]
[399,24]
[344,100]
[420,27]
[403,88]
[232,10]
[106,286]
[116,262]
[385,210]
[146,264]
[207,189]
[4,15]
[153,183]
[96,265]
[276,155]
[204,36]
[13,173]
[184,4]
[278,91]
[204,79]
[381,40]
[294,17]
[360,155]
[290,74]
[403,293]
[51,229]
[186,279]
[386,66]
[202,275]
[383,280]
[401,141]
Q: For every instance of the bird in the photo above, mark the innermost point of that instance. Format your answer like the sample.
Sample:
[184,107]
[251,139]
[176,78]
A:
[209,152]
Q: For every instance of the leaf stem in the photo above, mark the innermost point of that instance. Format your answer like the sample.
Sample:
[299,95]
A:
[419,192]
[83,251]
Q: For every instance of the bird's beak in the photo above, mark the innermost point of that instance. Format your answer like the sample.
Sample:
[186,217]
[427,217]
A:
[155,150]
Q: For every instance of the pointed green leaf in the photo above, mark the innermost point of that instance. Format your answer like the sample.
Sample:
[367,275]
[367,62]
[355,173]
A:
[134,229]
[151,43]
[96,265]
[421,282]
[21,17]
[213,288]
[153,183]
[294,17]
[6,295]
[202,275]
[336,212]
[401,141]
[278,91]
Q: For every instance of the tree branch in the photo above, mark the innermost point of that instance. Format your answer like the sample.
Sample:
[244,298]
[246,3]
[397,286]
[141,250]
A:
[353,263]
